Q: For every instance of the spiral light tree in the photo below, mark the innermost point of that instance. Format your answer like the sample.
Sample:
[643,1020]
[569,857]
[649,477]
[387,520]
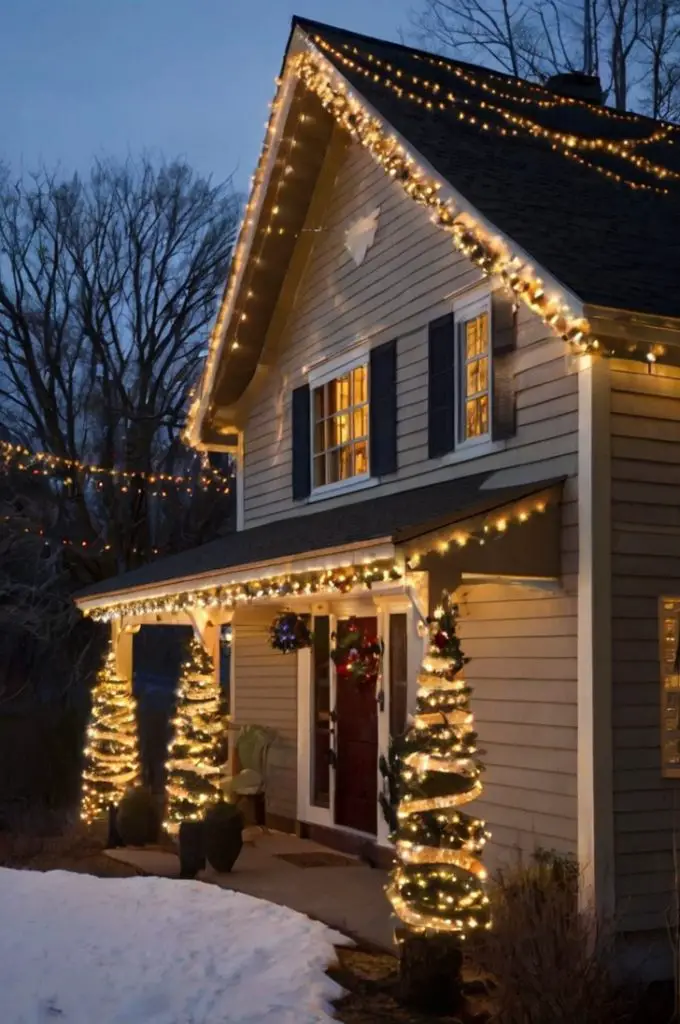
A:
[111,752]
[437,886]
[193,766]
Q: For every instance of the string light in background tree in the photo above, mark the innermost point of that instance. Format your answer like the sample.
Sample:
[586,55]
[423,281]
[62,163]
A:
[111,749]
[164,485]
[192,769]
[437,885]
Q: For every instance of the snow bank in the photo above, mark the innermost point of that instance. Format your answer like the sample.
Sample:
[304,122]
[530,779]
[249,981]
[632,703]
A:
[81,950]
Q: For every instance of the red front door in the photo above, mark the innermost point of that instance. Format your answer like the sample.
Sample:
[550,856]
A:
[356,776]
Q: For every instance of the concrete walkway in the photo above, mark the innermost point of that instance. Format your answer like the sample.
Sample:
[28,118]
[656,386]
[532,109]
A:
[350,898]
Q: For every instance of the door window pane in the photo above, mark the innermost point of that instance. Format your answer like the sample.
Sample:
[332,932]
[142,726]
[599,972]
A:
[398,674]
[321,707]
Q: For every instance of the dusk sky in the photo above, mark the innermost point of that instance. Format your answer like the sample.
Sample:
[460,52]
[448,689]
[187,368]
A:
[83,77]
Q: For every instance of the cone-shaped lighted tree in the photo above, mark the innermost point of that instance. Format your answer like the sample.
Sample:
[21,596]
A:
[192,768]
[111,750]
[437,886]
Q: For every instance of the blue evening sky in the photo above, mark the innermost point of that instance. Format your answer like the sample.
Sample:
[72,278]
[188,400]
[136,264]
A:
[175,77]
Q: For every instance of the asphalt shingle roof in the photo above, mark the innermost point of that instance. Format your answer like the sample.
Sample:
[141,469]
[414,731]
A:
[611,244]
[397,516]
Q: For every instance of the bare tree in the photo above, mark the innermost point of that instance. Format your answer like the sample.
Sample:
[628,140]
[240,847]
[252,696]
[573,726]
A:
[633,45]
[108,287]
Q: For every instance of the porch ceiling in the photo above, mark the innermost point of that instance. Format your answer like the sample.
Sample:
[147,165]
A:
[395,519]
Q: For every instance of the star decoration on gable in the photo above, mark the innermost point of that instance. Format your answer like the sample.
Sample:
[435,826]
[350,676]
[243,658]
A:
[361,235]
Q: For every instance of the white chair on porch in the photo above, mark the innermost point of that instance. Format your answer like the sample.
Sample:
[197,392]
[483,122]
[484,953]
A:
[248,762]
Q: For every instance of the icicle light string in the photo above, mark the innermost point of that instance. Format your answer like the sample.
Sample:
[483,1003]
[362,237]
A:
[566,142]
[46,464]
[339,580]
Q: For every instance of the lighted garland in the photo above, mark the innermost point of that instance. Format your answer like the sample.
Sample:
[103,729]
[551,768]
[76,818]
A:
[193,768]
[437,884]
[331,581]
[339,580]
[289,632]
[111,753]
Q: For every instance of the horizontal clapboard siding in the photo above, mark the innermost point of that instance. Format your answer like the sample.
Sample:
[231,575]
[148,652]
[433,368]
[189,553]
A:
[522,646]
[265,693]
[645,428]
[406,281]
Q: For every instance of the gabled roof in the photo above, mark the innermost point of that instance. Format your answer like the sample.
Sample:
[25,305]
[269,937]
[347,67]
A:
[572,204]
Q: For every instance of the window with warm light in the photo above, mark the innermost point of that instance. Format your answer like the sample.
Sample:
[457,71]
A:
[474,373]
[340,428]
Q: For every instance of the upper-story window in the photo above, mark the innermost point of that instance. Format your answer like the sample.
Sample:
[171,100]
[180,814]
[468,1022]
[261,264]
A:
[340,428]
[473,372]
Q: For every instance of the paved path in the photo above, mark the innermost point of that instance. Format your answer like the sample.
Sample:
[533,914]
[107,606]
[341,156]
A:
[349,898]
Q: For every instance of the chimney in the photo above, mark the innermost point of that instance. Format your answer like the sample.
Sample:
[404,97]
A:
[577,86]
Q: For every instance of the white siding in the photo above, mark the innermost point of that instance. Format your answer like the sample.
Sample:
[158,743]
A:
[522,646]
[406,280]
[645,424]
[265,693]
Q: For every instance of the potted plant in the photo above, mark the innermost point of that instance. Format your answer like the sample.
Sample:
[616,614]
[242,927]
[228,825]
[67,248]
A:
[223,827]
[138,820]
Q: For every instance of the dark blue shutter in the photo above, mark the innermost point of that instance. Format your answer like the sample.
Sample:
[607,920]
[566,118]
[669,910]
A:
[383,409]
[302,444]
[503,344]
[441,408]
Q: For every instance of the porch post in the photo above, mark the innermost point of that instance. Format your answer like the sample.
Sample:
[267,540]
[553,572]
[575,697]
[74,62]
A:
[594,659]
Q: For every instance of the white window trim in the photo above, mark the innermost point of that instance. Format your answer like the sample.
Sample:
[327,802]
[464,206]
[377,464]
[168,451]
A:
[317,376]
[469,307]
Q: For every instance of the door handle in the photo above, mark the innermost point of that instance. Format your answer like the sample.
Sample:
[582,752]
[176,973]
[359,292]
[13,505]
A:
[332,740]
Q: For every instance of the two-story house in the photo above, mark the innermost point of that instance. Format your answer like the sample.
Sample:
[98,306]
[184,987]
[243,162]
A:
[448,356]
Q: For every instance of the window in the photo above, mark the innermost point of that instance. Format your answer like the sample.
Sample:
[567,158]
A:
[670,686]
[473,374]
[340,428]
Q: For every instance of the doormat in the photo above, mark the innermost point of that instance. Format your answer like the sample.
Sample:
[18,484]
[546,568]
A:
[317,859]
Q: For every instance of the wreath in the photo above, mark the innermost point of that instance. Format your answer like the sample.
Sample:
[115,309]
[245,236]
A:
[290,632]
[358,655]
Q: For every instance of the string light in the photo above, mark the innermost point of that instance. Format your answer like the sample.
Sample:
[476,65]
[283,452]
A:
[192,769]
[341,579]
[46,464]
[469,237]
[111,755]
[567,142]
[437,884]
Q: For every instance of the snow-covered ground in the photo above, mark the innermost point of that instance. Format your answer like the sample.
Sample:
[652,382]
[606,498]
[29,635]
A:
[81,950]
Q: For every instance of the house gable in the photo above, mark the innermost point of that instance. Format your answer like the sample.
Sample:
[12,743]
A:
[332,308]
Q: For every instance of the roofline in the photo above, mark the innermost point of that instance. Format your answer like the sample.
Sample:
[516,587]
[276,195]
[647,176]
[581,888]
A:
[298,42]
[378,548]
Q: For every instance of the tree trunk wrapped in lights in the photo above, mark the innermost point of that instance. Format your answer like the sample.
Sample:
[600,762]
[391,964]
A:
[193,766]
[111,750]
[437,886]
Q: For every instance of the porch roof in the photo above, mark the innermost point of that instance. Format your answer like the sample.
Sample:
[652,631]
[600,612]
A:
[397,518]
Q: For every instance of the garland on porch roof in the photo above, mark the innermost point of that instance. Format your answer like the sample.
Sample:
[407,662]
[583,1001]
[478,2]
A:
[437,885]
[340,580]
[111,754]
[193,766]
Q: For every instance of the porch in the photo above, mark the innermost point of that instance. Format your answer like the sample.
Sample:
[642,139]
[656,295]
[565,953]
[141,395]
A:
[498,552]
